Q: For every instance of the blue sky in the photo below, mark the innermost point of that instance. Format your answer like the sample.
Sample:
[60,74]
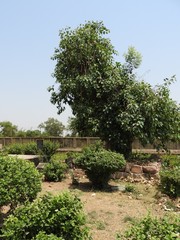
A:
[29,35]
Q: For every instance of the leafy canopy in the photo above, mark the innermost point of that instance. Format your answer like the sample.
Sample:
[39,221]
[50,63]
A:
[52,127]
[105,96]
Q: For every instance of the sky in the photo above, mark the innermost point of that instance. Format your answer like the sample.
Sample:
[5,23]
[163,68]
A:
[29,34]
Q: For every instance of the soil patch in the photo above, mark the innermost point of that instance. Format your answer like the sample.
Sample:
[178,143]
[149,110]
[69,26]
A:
[109,212]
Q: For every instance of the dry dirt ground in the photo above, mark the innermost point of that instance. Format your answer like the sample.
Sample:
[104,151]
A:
[109,212]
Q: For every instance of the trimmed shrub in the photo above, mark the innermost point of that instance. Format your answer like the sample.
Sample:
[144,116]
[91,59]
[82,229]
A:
[19,181]
[60,215]
[55,170]
[99,164]
[153,229]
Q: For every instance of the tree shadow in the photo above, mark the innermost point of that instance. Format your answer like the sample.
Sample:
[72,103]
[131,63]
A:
[86,186]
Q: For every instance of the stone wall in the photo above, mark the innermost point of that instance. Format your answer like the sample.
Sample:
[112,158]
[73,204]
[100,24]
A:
[80,142]
[139,173]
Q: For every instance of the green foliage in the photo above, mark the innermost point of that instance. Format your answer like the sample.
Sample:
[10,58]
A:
[52,127]
[106,98]
[170,175]
[19,181]
[30,148]
[15,148]
[153,229]
[49,149]
[22,148]
[170,160]
[141,158]
[60,215]
[7,129]
[44,236]
[170,181]
[55,170]
[99,164]
[130,188]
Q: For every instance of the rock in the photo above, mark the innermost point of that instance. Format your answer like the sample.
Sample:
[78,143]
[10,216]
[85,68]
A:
[150,169]
[128,167]
[120,188]
[136,169]
[40,166]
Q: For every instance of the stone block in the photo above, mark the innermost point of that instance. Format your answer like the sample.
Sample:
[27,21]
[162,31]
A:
[150,169]
[136,169]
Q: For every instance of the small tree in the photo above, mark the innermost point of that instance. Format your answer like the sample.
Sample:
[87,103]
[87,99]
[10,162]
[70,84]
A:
[20,181]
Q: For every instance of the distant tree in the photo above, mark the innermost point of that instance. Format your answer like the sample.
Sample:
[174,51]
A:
[105,96]
[7,129]
[52,127]
[33,133]
[21,133]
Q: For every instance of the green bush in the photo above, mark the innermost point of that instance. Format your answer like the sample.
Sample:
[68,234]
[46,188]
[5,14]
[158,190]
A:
[170,160]
[49,149]
[30,148]
[170,175]
[99,164]
[55,169]
[22,148]
[170,181]
[15,148]
[153,229]
[19,181]
[60,215]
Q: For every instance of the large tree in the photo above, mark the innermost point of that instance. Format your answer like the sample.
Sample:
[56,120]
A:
[105,96]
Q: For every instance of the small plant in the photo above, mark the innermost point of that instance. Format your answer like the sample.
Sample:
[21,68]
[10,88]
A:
[129,219]
[152,228]
[30,148]
[55,170]
[101,225]
[19,181]
[99,164]
[61,215]
[130,188]
[49,149]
